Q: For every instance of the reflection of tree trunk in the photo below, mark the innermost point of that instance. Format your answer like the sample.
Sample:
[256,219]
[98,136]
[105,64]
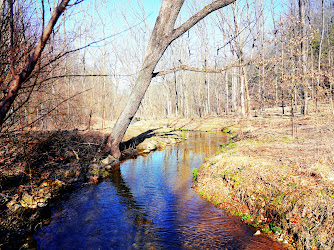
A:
[140,218]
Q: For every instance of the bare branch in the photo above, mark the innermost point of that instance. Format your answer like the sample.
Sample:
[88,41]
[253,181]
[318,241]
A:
[204,70]
[45,36]
[18,80]
[76,2]
[92,43]
[199,16]
[76,75]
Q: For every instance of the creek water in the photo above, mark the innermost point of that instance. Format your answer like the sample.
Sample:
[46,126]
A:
[148,203]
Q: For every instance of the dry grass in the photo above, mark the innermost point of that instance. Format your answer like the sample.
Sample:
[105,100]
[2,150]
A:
[285,183]
[279,180]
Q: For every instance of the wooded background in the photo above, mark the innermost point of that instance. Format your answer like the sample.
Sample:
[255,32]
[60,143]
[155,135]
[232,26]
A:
[245,59]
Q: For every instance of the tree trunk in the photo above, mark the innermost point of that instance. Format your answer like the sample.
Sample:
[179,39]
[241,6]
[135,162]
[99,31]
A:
[242,92]
[320,50]
[226,95]
[234,90]
[303,58]
[123,122]
[163,34]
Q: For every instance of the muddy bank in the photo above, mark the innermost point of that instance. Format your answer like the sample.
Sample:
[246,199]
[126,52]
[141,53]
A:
[281,184]
[39,168]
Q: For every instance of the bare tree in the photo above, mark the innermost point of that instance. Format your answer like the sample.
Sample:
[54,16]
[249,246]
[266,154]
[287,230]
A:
[303,57]
[320,48]
[162,36]
[31,60]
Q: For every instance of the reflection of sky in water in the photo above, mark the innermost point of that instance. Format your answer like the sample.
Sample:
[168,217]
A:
[149,203]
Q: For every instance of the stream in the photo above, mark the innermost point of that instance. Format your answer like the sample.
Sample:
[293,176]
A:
[149,204]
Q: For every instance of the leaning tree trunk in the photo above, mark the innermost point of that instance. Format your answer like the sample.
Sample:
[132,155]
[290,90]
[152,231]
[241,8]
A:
[162,36]
[142,83]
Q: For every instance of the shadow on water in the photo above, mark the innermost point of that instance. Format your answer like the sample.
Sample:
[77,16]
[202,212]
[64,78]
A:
[135,141]
[149,203]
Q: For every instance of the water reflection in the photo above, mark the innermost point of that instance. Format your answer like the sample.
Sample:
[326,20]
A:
[148,203]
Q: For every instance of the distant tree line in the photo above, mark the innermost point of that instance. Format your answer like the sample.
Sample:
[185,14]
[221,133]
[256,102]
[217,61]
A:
[241,60]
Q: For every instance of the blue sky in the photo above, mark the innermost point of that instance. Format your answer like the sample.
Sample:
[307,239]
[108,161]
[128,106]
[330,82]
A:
[128,23]
[120,15]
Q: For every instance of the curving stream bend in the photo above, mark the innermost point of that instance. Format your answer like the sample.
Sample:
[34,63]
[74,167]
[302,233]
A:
[149,204]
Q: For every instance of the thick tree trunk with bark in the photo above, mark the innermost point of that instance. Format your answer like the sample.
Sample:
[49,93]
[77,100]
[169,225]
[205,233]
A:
[162,36]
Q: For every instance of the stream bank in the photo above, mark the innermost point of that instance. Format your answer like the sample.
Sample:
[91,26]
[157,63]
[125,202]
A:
[37,169]
[148,203]
[281,184]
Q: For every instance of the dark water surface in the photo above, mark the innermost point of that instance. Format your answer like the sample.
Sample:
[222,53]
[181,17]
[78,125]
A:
[149,204]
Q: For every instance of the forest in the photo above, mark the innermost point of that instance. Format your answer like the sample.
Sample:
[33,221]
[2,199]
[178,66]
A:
[239,61]
[85,71]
